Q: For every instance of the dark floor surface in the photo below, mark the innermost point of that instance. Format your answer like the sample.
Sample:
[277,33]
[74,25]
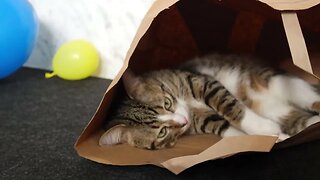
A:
[40,119]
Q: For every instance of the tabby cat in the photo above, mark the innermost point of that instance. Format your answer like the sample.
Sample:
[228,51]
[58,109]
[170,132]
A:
[226,95]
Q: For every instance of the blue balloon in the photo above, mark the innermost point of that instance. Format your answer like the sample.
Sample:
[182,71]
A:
[18,34]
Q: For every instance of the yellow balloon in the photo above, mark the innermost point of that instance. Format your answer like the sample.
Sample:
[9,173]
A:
[75,60]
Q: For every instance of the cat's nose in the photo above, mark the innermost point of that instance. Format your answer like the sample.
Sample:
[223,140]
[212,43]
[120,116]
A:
[183,121]
[180,119]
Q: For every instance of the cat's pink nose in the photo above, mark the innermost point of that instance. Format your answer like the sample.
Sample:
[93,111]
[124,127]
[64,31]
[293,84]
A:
[184,121]
[180,119]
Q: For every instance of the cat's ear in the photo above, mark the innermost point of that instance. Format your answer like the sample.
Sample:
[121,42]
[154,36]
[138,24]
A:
[115,135]
[131,83]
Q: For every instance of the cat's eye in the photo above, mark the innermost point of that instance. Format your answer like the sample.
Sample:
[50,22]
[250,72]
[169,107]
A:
[167,103]
[163,132]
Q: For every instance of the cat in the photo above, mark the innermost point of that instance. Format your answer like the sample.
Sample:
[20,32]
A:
[227,95]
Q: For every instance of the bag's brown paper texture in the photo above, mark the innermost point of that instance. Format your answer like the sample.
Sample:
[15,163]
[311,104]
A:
[190,150]
[296,41]
[291,4]
[223,148]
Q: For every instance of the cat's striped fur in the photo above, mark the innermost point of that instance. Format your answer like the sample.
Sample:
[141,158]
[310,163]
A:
[225,95]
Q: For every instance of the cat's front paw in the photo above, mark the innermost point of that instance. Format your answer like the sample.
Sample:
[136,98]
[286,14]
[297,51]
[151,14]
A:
[269,128]
[282,137]
[316,106]
[313,120]
[263,126]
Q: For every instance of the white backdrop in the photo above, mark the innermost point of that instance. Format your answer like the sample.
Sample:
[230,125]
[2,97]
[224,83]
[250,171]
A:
[109,24]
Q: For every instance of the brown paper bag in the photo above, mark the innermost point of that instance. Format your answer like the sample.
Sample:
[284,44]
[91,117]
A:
[168,35]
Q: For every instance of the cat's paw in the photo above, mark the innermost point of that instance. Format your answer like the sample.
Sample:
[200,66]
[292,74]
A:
[231,131]
[267,127]
[282,137]
[258,125]
[316,106]
[313,120]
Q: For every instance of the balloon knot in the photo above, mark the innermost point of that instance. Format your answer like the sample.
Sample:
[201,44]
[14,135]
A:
[50,75]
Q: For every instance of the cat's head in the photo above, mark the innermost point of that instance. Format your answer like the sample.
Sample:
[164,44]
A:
[143,126]
[153,118]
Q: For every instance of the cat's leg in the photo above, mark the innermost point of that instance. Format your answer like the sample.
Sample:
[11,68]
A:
[255,124]
[232,131]
[236,113]
[297,120]
[296,91]
[217,125]
[291,118]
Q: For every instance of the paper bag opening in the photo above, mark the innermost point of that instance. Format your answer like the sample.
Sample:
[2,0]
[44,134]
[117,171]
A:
[175,31]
